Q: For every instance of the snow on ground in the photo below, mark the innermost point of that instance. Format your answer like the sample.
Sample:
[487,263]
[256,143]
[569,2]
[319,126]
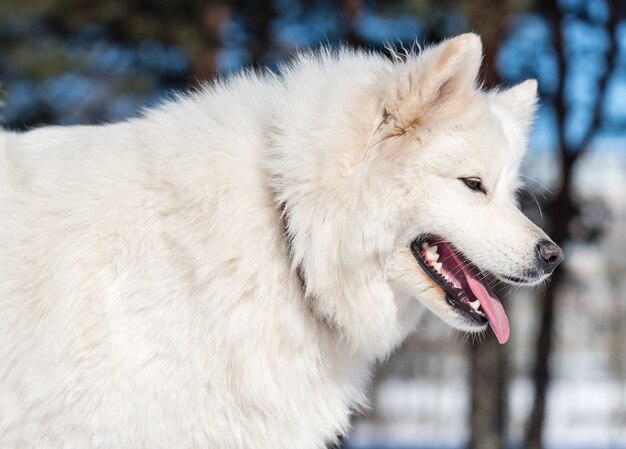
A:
[419,414]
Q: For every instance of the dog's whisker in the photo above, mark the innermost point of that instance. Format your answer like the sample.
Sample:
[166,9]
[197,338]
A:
[537,182]
[532,195]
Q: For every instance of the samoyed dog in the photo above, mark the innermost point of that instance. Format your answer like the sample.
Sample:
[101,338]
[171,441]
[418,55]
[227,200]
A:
[224,271]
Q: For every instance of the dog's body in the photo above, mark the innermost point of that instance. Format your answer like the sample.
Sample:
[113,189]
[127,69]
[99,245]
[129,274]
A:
[224,271]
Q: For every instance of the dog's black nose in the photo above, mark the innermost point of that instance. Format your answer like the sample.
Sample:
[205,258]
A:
[550,255]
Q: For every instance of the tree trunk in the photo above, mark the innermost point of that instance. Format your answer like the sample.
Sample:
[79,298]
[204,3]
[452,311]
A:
[208,22]
[350,10]
[541,375]
[489,384]
[260,15]
[488,360]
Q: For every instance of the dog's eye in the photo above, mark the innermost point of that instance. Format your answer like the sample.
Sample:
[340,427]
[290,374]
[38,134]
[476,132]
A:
[475,184]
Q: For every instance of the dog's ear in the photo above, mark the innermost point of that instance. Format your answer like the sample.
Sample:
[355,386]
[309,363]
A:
[520,101]
[433,83]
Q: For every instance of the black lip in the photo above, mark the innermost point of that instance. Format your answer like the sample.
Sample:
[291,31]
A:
[454,296]
[515,279]
[530,278]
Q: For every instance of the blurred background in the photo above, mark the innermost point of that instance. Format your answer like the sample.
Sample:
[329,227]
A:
[560,382]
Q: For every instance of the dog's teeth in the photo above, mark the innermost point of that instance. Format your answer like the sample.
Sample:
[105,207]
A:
[437,267]
[475,305]
[431,252]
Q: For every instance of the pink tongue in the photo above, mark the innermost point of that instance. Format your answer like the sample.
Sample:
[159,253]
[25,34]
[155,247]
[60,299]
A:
[490,304]
[492,307]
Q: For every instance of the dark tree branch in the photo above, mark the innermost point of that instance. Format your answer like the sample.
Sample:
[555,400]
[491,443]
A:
[571,154]
[554,13]
[616,8]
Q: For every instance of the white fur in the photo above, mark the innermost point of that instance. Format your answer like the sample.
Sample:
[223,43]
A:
[148,294]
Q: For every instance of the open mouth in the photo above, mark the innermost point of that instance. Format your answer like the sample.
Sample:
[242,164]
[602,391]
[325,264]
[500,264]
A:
[463,284]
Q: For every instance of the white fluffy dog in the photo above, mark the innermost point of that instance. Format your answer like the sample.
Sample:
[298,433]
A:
[224,271]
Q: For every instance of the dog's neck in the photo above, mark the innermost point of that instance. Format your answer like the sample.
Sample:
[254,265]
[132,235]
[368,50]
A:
[284,215]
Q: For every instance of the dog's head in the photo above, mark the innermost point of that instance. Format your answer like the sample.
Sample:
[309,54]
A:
[461,178]
[408,186]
